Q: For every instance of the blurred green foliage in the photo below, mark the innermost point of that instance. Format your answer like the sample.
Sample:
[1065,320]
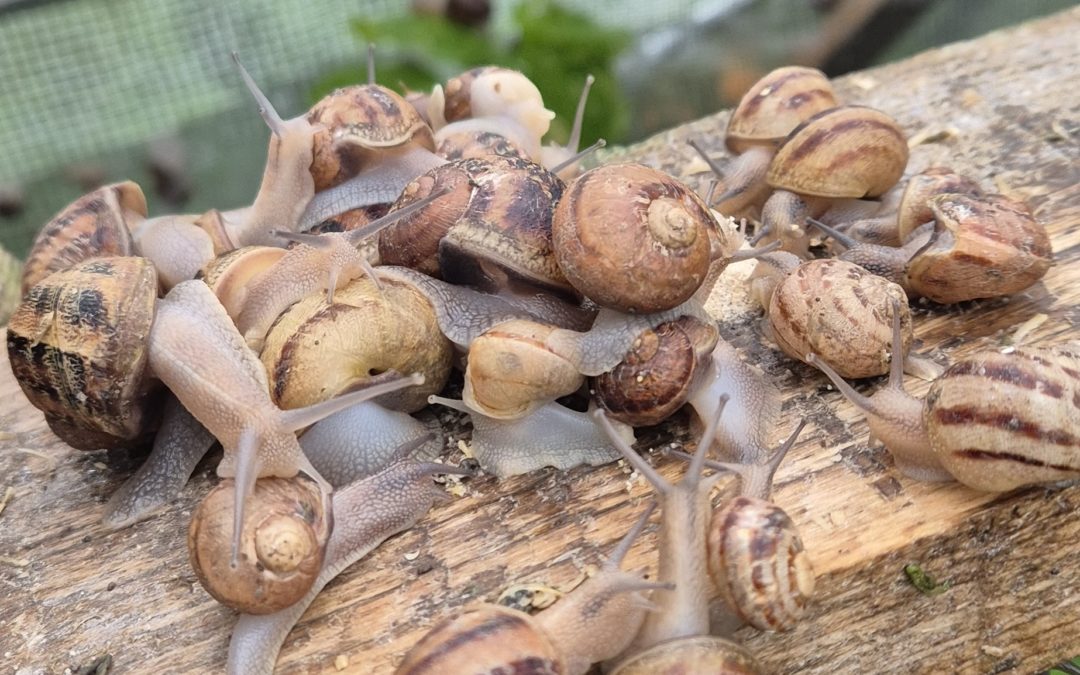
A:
[553,46]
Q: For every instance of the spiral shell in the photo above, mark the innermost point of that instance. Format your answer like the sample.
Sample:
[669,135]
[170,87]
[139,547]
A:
[78,345]
[776,104]
[847,151]
[633,238]
[842,313]
[982,247]
[757,561]
[703,654]
[96,225]
[486,640]
[229,274]
[914,209]
[477,143]
[284,537]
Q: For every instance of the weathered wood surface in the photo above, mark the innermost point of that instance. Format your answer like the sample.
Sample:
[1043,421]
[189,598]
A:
[1009,107]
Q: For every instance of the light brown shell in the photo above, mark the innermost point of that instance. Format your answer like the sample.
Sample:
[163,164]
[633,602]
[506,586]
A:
[284,537]
[78,347]
[776,104]
[847,151]
[842,313]
[982,247]
[683,656]
[632,238]
[655,377]
[758,562]
[513,370]
[914,209]
[357,120]
[484,640]
[229,274]
[96,225]
[1002,421]
[315,352]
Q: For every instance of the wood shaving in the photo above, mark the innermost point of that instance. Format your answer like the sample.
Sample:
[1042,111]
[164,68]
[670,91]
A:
[8,494]
[1026,328]
[864,82]
[931,135]
[14,562]
[341,662]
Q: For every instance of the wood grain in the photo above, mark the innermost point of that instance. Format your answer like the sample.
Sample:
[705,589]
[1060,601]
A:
[1004,109]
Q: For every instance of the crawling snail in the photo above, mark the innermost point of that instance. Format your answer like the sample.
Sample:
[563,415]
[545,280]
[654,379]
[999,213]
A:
[992,421]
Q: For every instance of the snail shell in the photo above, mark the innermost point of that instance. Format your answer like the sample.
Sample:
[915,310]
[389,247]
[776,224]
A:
[776,104]
[914,209]
[702,654]
[229,274]
[847,151]
[486,640]
[981,248]
[477,143]
[757,561]
[841,312]
[633,238]
[78,345]
[95,225]
[657,375]
[285,531]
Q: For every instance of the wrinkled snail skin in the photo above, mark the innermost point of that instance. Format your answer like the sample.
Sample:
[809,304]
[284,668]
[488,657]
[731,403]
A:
[366,513]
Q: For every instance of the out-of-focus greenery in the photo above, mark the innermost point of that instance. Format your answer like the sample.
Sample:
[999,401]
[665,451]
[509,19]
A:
[553,46]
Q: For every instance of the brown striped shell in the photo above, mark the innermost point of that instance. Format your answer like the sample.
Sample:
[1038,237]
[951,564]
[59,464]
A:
[842,313]
[1002,421]
[757,561]
[914,209]
[96,225]
[683,656]
[477,143]
[486,640]
[285,531]
[776,104]
[982,247]
[847,151]
[656,376]
[358,120]
[316,351]
[513,370]
[495,222]
[78,346]
[632,238]
[457,103]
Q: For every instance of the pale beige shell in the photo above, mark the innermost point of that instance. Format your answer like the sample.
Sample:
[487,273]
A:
[842,313]
[758,562]
[229,274]
[982,247]
[847,151]
[513,370]
[776,104]
[485,640]
[683,656]
[315,352]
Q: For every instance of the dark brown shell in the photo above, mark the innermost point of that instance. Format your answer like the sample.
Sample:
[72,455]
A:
[847,151]
[654,379]
[914,207]
[78,347]
[358,120]
[466,144]
[758,562]
[285,531]
[632,238]
[458,93]
[484,640]
[683,656]
[776,104]
[981,248]
[96,225]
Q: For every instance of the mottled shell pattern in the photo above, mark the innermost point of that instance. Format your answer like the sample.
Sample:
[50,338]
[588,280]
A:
[78,348]
[477,143]
[758,563]
[1001,421]
[632,238]
[96,225]
[847,151]
[357,120]
[776,104]
[842,313]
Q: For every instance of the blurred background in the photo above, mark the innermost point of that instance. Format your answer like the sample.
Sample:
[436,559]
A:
[95,91]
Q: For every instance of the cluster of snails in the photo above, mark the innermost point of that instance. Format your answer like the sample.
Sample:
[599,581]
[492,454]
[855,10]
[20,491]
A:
[394,238]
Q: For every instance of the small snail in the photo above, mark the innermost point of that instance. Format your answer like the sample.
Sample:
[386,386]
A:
[589,625]
[992,421]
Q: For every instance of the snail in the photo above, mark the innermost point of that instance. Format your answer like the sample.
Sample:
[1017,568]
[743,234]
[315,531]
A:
[563,160]
[992,421]
[366,513]
[850,152]
[768,111]
[592,623]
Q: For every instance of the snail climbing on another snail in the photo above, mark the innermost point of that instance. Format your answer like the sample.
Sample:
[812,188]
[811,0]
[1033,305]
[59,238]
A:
[993,421]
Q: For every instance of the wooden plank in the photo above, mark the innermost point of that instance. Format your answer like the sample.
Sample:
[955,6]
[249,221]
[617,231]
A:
[1010,108]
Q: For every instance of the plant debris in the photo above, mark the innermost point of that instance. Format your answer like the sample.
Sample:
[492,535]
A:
[923,581]
[99,666]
